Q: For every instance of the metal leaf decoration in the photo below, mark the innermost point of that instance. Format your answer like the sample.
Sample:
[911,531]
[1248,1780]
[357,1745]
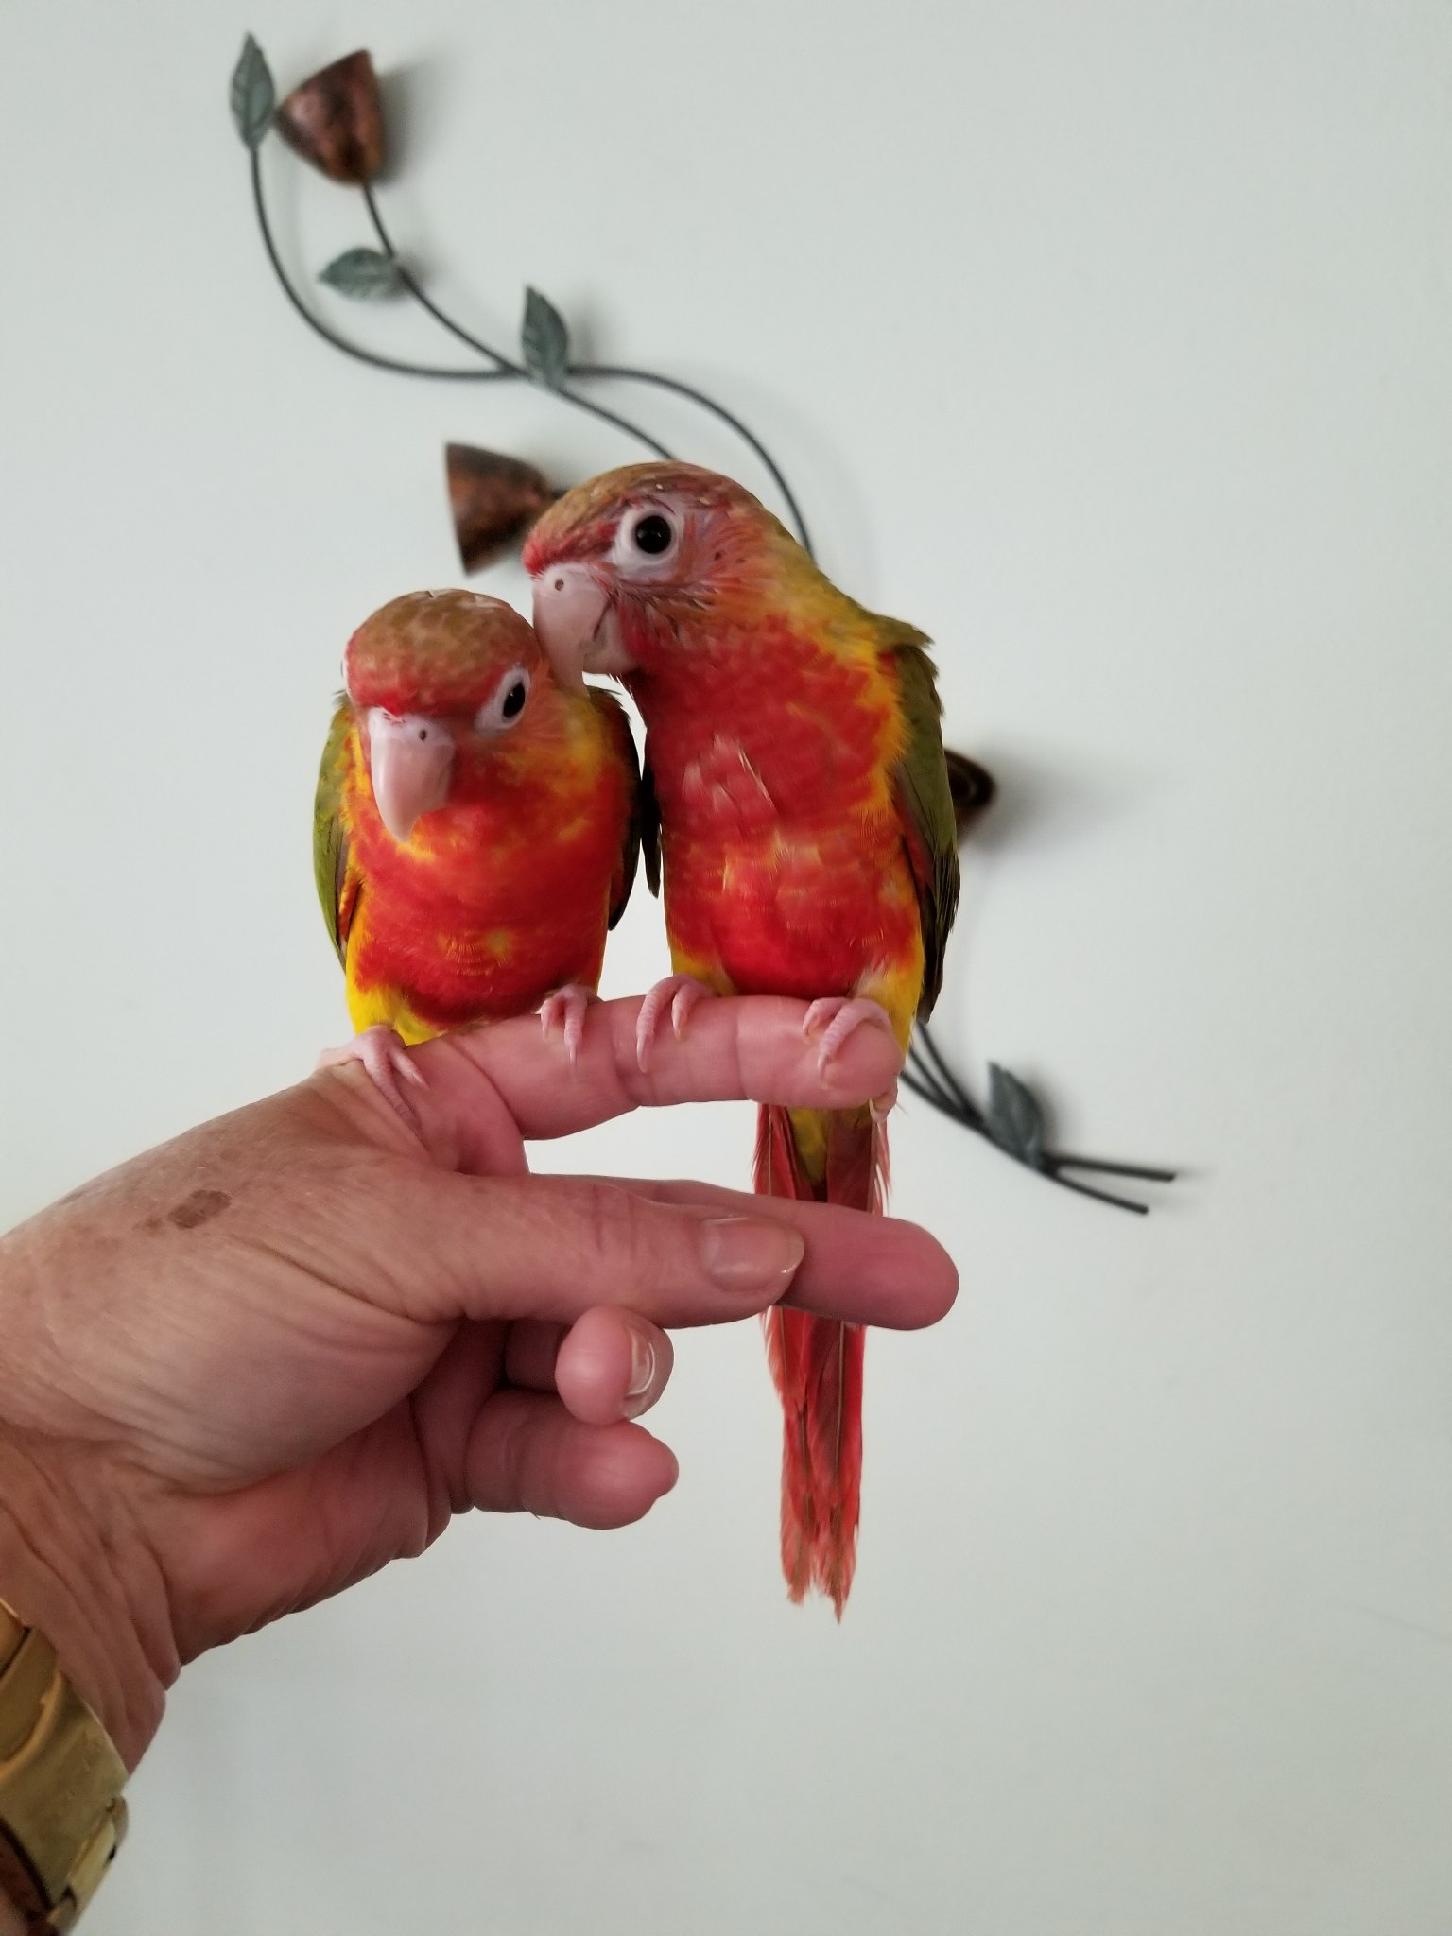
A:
[1015,1121]
[544,340]
[364,275]
[253,95]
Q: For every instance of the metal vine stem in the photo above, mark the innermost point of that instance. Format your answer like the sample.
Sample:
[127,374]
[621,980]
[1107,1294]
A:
[928,1074]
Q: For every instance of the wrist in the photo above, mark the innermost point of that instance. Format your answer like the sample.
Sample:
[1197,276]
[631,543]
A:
[67,1578]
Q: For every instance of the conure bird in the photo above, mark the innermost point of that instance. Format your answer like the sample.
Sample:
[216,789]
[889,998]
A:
[476,829]
[808,846]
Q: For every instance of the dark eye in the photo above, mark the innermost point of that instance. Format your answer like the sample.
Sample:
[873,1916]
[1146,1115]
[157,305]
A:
[500,712]
[651,534]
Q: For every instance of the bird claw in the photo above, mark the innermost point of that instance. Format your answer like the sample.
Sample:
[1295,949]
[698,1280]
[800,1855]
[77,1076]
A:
[384,1055]
[838,1017]
[678,993]
[565,1010]
[881,1107]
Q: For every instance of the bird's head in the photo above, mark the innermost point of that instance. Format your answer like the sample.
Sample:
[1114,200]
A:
[630,569]
[441,685]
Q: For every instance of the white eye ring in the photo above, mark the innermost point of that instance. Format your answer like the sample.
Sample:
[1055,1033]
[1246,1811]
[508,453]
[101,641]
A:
[629,554]
[505,709]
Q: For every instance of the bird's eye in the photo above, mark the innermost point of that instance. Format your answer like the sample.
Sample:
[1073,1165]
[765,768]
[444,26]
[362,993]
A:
[651,534]
[499,713]
[645,538]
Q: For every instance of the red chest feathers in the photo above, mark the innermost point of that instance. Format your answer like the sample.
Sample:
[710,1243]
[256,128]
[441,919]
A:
[783,855]
[491,905]
[808,730]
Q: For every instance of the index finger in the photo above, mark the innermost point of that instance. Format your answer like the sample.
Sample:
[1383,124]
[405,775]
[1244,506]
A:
[737,1048]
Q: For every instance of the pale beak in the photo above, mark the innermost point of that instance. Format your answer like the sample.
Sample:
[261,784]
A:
[576,623]
[409,762]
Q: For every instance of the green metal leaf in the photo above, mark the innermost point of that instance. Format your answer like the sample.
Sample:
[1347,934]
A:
[365,275]
[545,340]
[253,95]
[1015,1121]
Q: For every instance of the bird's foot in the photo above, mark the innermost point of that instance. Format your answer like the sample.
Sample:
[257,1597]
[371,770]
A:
[678,993]
[384,1055]
[564,1011]
[835,1018]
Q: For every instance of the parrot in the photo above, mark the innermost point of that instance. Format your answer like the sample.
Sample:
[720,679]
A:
[476,830]
[795,779]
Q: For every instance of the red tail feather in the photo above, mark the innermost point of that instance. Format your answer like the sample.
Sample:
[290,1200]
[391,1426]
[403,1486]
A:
[816,1363]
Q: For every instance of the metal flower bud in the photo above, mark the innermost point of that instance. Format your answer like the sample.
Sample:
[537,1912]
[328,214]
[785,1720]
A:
[334,119]
[494,500]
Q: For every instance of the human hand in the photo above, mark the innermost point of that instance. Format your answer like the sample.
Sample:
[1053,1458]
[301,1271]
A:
[250,1367]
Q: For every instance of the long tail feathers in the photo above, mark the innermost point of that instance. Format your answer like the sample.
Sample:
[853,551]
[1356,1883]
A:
[816,1363]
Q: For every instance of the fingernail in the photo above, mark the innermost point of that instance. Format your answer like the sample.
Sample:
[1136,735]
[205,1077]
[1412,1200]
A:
[642,1365]
[751,1254]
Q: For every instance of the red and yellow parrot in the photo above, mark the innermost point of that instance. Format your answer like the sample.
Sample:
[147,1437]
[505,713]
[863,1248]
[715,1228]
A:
[808,844]
[476,829]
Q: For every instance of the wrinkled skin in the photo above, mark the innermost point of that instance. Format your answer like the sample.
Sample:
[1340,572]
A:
[250,1367]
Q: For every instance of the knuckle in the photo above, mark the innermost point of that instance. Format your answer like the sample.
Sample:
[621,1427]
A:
[617,1231]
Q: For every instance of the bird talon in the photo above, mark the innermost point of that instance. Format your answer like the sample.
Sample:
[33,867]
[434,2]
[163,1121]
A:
[836,1018]
[565,1011]
[679,993]
[384,1055]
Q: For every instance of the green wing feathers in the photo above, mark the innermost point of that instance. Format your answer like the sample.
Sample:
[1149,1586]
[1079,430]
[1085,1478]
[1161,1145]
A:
[330,845]
[924,799]
[642,826]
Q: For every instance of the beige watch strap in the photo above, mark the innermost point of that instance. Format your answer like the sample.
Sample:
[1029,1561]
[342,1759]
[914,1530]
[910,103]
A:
[61,1813]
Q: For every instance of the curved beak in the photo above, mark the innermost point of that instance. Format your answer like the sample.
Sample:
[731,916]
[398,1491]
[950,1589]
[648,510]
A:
[410,758]
[576,623]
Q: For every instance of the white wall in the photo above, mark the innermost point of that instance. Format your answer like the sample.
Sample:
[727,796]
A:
[1111,344]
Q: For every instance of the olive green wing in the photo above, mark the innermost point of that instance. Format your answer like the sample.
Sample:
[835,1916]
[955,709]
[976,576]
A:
[336,880]
[641,832]
[647,809]
[924,798]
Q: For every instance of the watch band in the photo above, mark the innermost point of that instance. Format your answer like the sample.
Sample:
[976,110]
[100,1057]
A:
[61,1813]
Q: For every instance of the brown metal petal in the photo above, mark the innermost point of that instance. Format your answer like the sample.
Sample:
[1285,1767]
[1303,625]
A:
[494,501]
[334,119]
[971,786]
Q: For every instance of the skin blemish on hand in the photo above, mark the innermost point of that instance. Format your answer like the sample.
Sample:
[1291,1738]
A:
[200,1207]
